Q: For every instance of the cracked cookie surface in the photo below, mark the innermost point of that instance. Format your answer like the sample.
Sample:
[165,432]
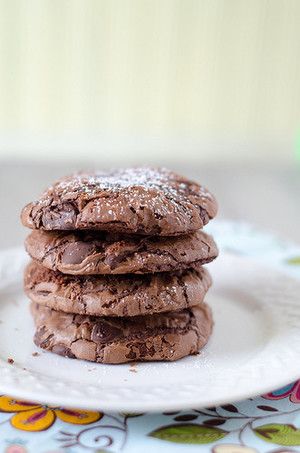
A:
[87,253]
[123,295]
[146,201]
[165,336]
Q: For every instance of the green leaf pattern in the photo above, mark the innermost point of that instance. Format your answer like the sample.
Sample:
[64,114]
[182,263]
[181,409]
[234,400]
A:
[189,434]
[287,435]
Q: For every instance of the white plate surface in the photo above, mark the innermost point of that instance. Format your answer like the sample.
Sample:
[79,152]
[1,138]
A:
[255,348]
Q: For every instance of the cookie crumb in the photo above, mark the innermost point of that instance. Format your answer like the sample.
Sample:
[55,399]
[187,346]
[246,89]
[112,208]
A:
[10,360]
[132,368]
[35,354]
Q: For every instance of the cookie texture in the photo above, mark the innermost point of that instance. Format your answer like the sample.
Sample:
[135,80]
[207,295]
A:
[110,295]
[87,253]
[165,336]
[145,201]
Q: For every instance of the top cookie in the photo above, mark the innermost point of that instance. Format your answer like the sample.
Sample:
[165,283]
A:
[144,201]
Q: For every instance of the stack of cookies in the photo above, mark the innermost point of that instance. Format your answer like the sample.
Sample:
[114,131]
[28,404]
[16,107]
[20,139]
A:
[116,272]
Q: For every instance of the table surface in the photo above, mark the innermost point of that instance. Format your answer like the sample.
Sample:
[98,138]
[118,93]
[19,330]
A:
[264,194]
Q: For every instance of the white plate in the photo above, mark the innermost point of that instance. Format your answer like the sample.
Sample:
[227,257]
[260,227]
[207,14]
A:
[255,348]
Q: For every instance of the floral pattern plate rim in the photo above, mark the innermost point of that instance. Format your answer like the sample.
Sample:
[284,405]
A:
[257,319]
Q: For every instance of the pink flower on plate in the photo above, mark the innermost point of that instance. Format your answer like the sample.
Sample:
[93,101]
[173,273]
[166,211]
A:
[15,449]
[291,390]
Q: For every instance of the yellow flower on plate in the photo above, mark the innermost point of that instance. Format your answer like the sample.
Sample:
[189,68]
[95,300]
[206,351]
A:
[36,417]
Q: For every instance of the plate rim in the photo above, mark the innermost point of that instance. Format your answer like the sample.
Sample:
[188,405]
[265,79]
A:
[67,402]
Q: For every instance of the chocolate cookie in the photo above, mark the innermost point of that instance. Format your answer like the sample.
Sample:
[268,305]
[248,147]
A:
[116,295]
[85,253]
[164,336]
[144,201]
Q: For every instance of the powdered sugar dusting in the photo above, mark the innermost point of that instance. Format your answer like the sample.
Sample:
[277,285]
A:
[151,180]
[143,200]
[115,180]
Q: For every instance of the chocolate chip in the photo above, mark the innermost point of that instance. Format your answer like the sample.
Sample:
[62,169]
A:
[103,332]
[39,338]
[113,260]
[61,217]
[131,355]
[75,253]
[63,350]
